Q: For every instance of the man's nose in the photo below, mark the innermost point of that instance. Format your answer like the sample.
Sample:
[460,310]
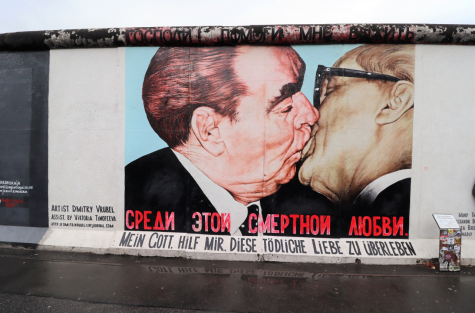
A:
[306,112]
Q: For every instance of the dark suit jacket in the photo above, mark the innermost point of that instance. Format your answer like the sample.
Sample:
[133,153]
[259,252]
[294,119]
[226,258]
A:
[295,198]
[394,201]
[158,182]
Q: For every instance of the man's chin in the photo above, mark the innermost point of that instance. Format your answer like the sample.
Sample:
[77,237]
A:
[308,177]
[285,176]
[320,187]
[323,190]
[282,178]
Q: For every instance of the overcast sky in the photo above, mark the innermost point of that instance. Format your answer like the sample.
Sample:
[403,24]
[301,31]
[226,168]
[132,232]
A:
[25,15]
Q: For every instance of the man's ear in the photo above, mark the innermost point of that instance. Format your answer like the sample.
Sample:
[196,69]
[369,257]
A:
[204,124]
[401,99]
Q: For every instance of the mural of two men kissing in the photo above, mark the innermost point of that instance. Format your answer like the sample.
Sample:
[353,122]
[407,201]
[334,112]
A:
[248,153]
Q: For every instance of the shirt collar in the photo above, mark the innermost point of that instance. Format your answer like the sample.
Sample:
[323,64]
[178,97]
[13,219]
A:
[370,192]
[219,197]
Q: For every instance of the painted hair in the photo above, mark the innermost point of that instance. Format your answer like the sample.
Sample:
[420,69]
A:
[395,60]
[181,79]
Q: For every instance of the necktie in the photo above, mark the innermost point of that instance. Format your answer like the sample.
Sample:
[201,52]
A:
[245,226]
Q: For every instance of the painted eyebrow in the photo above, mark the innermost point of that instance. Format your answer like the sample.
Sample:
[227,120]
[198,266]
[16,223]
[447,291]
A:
[288,90]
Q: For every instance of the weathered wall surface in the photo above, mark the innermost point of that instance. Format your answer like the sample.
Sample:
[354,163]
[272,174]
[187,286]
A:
[232,35]
[443,162]
[86,105]
[105,195]
[24,138]
[86,146]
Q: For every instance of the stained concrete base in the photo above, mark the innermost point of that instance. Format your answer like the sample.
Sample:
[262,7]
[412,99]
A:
[21,234]
[107,242]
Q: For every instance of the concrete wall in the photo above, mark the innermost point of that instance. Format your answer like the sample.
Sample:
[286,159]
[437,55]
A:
[87,146]
[443,163]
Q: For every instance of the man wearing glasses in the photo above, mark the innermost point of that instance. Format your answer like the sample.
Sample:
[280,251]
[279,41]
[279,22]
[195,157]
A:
[360,151]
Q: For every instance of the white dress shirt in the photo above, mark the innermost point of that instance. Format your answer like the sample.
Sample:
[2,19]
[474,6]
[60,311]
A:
[219,197]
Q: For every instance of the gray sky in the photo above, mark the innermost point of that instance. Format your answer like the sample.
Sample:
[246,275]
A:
[25,15]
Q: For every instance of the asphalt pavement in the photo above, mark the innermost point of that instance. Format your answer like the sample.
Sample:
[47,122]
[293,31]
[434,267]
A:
[46,281]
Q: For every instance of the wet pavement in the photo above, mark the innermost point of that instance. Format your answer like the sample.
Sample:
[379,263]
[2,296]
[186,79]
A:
[44,281]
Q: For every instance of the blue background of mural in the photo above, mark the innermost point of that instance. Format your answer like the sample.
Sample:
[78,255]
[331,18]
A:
[140,139]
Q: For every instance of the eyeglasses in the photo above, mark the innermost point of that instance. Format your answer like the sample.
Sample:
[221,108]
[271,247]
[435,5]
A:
[323,73]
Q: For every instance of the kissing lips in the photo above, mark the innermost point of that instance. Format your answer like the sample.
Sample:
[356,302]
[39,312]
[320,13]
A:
[295,157]
[310,146]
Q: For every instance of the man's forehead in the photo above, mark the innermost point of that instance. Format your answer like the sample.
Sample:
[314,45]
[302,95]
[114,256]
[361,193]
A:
[286,56]
[347,63]
[350,63]
[286,60]
[264,63]
[282,54]
[250,63]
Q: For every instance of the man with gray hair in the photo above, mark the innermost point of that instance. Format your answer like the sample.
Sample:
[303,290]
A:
[360,151]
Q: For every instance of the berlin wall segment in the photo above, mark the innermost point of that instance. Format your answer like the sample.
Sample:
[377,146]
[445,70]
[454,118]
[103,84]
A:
[220,202]
[223,174]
